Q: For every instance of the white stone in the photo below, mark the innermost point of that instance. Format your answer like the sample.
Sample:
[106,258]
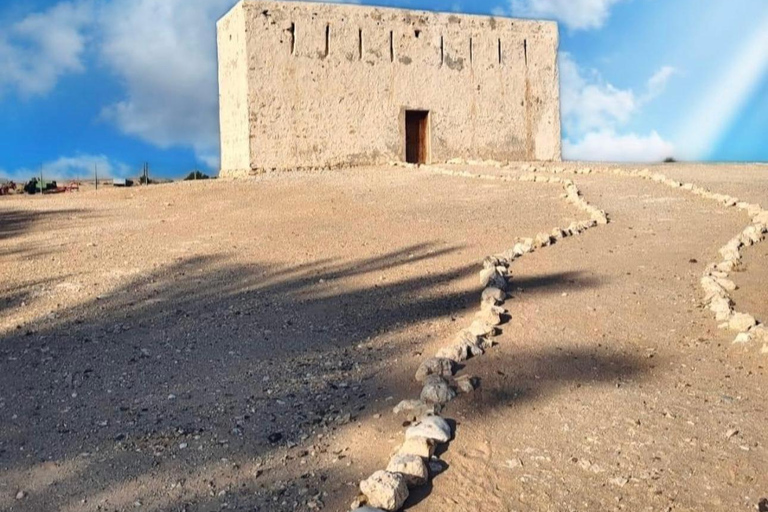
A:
[759,332]
[412,467]
[419,446]
[741,322]
[743,337]
[726,284]
[385,490]
[721,306]
[430,427]
[542,240]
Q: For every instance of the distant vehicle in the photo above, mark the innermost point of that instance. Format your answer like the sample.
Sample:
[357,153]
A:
[120,182]
[35,186]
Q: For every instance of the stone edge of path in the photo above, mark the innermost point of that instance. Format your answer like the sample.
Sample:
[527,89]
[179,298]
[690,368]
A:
[714,282]
[388,490]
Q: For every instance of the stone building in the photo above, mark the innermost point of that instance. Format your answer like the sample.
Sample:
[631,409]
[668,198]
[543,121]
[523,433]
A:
[305,85]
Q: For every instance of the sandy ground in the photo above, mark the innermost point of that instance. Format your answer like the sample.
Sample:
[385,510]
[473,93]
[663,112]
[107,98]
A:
[239,345]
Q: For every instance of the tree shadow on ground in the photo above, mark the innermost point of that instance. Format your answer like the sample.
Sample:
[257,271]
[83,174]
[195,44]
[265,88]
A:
[106,403]
[537,374]
[14,223]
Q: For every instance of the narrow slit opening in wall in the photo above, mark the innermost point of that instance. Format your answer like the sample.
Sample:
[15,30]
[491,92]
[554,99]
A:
[391,46]
[360,43]
[442,51]
[500,53]
[293,39]
[525,50]
[327,40]
[471,50]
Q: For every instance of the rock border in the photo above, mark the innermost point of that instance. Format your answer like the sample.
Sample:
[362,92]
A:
[715,281]
[414,462]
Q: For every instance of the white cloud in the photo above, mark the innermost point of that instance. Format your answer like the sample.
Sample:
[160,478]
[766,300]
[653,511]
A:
[71,167]
[594,111]
[588,102]
[611,147]
[38,50]
[575,14]
[164,51]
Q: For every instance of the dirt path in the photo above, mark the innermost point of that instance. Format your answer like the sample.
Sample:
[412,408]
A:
[209,346]
[621,395]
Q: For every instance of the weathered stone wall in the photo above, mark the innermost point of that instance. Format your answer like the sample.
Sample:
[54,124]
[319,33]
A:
[233,93]
[328,85]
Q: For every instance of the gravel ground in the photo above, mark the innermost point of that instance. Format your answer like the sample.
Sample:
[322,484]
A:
[240,345]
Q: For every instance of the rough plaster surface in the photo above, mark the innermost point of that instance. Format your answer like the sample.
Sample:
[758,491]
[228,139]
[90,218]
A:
[316,85]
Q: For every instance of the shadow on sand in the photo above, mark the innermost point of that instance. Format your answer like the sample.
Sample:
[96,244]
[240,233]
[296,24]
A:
[241,361]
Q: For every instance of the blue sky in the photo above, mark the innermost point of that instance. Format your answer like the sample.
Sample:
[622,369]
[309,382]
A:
[115,83]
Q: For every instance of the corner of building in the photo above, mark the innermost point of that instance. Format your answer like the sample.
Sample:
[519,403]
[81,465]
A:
[233,92]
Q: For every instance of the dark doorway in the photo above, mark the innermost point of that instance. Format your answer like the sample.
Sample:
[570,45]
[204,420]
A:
[417,136]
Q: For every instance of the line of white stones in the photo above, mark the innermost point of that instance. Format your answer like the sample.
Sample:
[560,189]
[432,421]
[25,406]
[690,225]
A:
[413,461]
[714,281]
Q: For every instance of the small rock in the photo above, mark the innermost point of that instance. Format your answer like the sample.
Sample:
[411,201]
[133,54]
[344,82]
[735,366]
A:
[470,346]
[619,481]
[21,495]
[493,295]
[440,366]
[414,407]
[743,337]
[726,284]
[385,490]
[454,353]
[482,328]
[759,332]
[437,391]
[490,277]
[731,433]
[741,322]
[412,467]
[436,466]
[542,240]
[466,384]
[430,427]
[420,446]
[491,315]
